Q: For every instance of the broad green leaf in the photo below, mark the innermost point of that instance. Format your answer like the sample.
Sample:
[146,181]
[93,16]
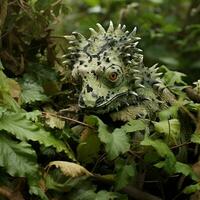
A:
[24,129]
[185,170]
[2,110]
[173,77]
[134,125]
[52,181]
[32,91]
[43,5]
[102,128]
[163,150]
[192,188]
[124,176]
[115,143]
[4,86]
[34,188]
[103,194]
[18,158]
[87,150]
[100,195]
[196,138]
[84,195]
[168,113]
[180,168]
[171,129]
[33,116]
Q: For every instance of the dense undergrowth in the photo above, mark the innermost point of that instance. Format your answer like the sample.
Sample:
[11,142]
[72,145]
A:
[50,150]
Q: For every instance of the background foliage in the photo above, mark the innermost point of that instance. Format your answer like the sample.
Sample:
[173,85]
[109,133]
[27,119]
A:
[46,146]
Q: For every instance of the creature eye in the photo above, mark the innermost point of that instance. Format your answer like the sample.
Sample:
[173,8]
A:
[113,76]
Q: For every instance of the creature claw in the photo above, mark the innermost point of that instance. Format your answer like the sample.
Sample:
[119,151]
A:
[101,29]
[93,32]
[111,27]
[140,85]
[133,93]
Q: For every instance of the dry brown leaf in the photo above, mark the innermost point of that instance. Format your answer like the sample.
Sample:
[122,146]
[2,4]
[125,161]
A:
[84,134]
[15,89]
[52,120]
[196,168]
[70,169]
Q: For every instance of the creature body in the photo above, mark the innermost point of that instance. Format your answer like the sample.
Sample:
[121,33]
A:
[113,76]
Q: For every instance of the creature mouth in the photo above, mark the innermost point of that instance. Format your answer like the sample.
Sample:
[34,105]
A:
[103,104]
[111,100]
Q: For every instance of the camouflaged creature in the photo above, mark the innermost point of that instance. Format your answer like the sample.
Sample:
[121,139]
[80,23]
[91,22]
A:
[114,78]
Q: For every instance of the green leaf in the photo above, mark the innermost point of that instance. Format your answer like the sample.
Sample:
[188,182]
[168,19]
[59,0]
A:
[163,150]
[19,159]
[33,116]
[84,195]
[53,182]
[43,5]
[102,128]
[84,152]
[80,189]
[4,86]
[102,195]
[185,170]
[168,113]
[134,125]
[172,77]
[24,129]
[115,143]
[35,189]
[196,138]
[192,188]
[171,129]
[124,176]
[32,91]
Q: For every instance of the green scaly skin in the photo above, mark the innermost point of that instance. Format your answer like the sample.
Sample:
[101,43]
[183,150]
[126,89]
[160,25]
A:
[113,75]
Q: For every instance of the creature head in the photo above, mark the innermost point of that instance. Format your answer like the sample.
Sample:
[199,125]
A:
[105,63]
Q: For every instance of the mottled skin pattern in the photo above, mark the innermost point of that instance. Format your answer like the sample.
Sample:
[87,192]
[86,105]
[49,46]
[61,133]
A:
[114,78]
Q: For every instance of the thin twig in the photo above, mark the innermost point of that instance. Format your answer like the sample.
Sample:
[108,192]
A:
[183,108]
[180,145]
[138,194]
[132,191]
[69,119]
[3,15]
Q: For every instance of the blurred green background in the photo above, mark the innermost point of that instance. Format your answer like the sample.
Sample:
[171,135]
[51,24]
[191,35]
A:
[170,29]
